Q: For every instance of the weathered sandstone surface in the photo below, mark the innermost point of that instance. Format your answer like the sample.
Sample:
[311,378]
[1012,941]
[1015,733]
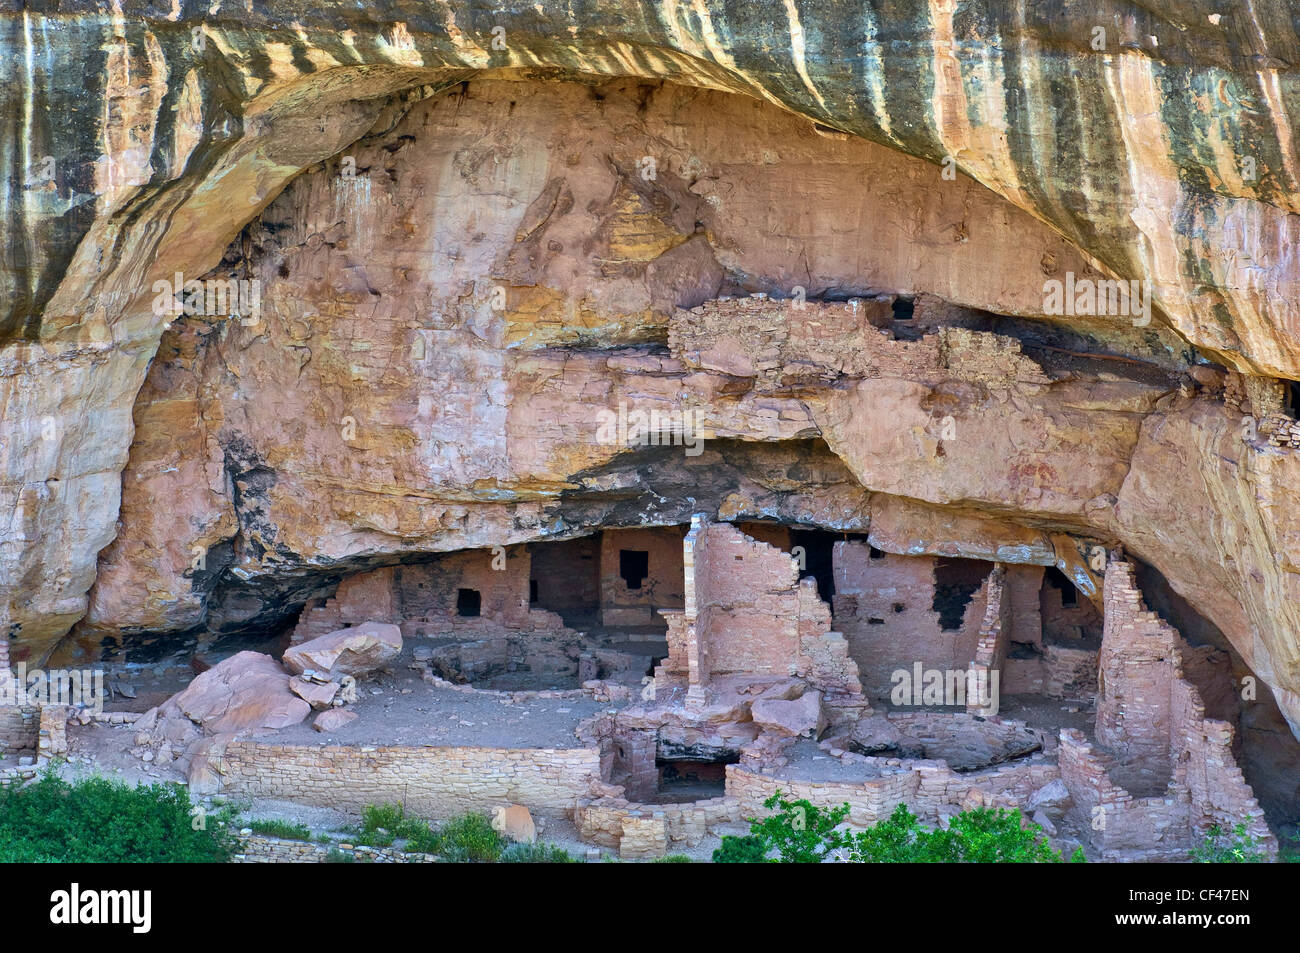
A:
[466,250]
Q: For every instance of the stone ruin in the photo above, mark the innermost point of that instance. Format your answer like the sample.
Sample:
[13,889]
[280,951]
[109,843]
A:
[871,523]
[756,684]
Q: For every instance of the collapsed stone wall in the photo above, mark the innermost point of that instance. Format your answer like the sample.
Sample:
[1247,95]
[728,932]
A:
[641,831]
[434,782]
[748,613]
[261,849]
[1161,773]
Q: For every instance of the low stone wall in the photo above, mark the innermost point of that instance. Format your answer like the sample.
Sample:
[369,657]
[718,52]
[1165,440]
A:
[930,789]
[1122,827]
[642,831]
[19,729]
[870,800]
[434,782]
[260,849]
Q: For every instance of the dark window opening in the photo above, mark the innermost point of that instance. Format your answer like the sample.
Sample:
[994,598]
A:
[817,552]
[1292,398]
[469,602]
[1061,582]
[633,566]
[532,592]
[693,779]
[955,584]
[874,621]
[899,607]
[876,553]
[903,309]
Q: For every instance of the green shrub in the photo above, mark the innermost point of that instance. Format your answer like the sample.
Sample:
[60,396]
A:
[280,829]
[741,850]
[674,859]
[383,824]
[536,854]
[469,838]
[420,837]
[97,820]
[1222,848]
[336,856]
[898,839]
[797,832]
[981,836]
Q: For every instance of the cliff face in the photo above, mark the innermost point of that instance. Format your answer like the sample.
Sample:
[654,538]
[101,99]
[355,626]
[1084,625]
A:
[463,253]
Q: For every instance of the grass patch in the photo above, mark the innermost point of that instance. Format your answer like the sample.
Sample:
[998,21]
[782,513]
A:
[536,854]
[282,829]
[467,838]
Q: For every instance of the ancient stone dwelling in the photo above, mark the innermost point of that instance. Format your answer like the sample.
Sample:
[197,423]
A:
[935,682]
[621,413]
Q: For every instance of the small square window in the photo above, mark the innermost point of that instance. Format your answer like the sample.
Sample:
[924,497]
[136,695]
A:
[633,566]
[469,602]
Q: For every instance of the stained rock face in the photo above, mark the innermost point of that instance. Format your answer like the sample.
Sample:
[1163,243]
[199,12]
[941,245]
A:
[354,651]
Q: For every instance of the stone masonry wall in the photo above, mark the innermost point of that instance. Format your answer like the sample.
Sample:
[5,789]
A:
[991,648]
[747,601]
[434,782]
[621,605]
[19,729]
[1136,674]
[748,613]
[641,831]
[421,598]
[930,789]
[884,607]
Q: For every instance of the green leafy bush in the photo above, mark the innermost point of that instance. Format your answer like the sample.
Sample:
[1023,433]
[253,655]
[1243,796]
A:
[798,832]
[383,824]
[981,836]
[1238,847]
[674,859]
[281,829]
[898,839]
[97,820]
[749,849]
[536,854]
